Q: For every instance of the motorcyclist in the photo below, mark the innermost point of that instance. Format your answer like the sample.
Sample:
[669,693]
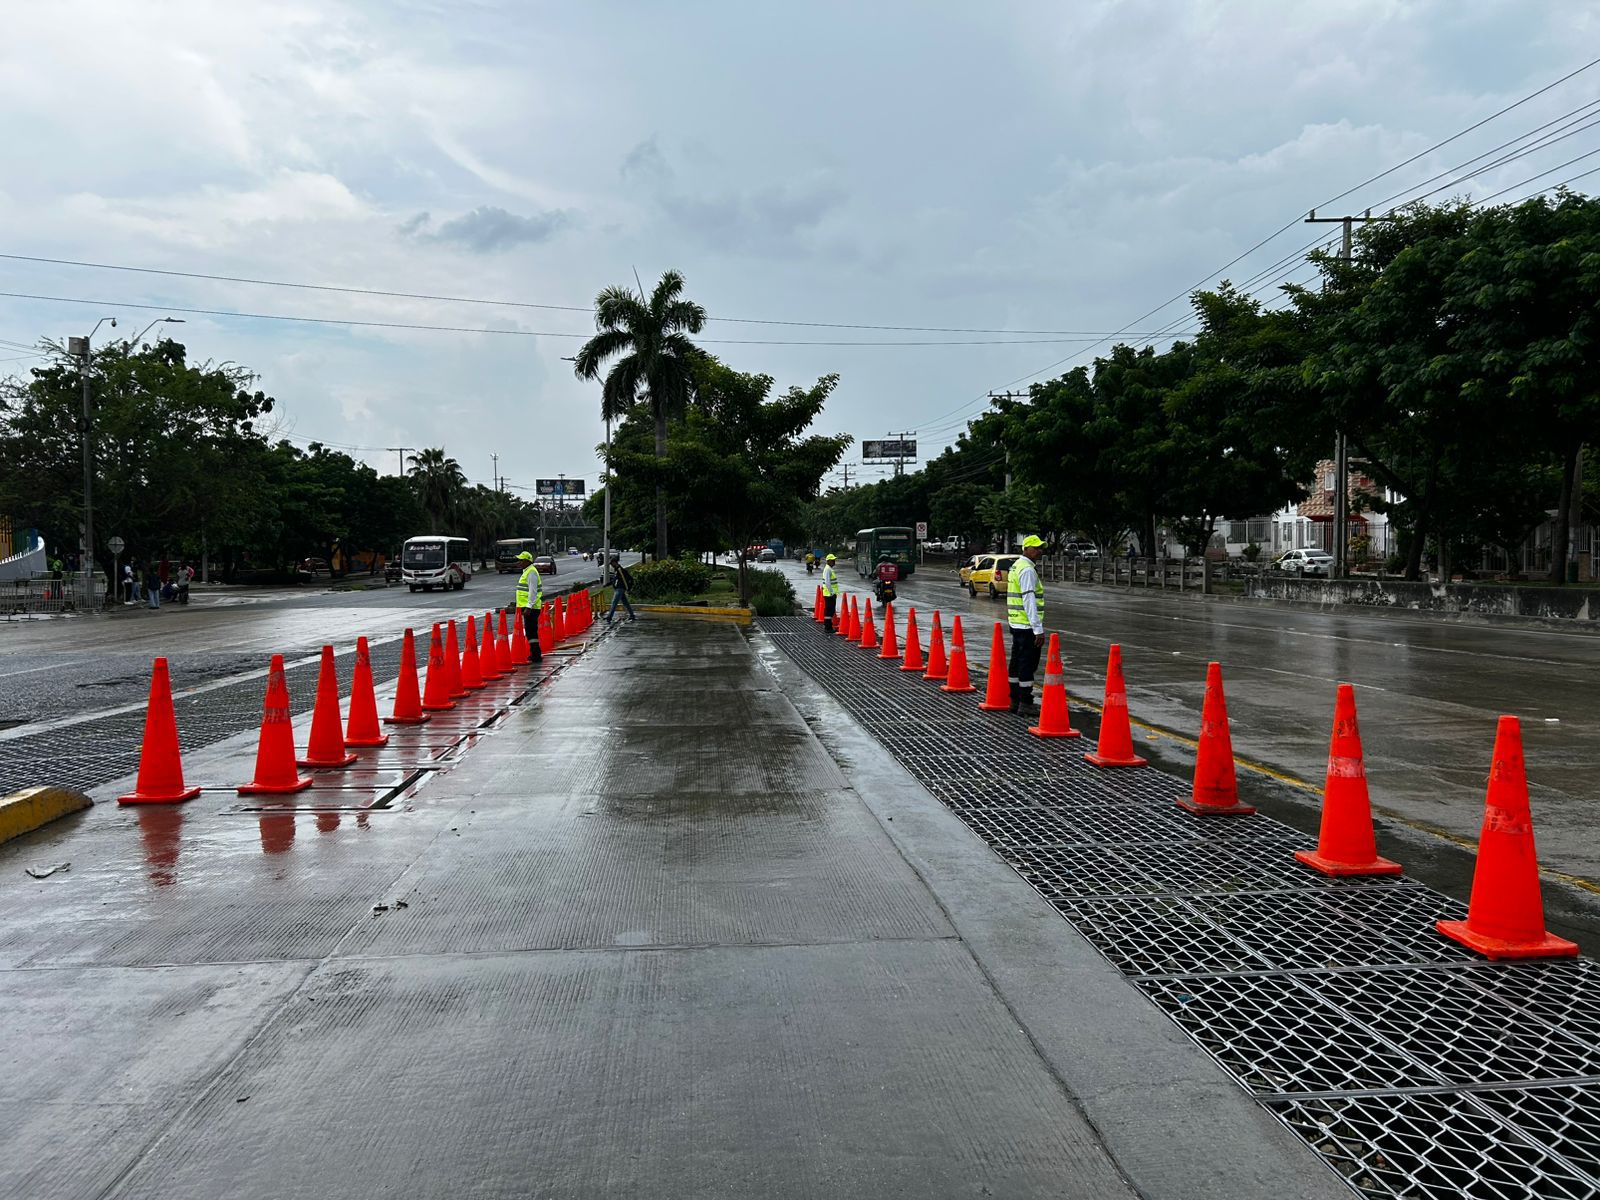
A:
[888,574]
[810,562]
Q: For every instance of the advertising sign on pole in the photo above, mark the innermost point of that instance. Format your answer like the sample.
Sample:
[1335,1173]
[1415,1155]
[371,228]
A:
[559,489]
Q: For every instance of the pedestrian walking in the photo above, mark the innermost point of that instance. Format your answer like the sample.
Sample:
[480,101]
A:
[530,599]
[56,577]
[1025,615]
[621,585]
[830,591]
[128,585]
[185,578]
[152,585]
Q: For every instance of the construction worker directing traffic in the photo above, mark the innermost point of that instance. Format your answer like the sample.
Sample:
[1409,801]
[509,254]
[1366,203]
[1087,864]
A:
[1025,615]
[830,592]
[530,599]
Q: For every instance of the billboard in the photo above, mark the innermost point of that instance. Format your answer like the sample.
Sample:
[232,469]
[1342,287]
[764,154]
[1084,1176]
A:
[893,448]
[560,489]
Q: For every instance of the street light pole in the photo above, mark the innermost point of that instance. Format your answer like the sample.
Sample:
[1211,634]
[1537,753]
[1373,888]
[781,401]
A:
[80,347]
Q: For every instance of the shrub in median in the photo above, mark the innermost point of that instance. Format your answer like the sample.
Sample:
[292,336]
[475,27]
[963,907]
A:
[669,578]
[771,594]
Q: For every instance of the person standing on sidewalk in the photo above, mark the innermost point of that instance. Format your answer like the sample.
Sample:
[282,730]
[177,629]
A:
[830,591]
[621,585]
[152,586]
[1025,615]
[530,599]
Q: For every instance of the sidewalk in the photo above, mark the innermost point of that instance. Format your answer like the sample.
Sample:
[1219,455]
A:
[648,937]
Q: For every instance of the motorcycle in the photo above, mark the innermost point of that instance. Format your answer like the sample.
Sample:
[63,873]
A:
[883,589]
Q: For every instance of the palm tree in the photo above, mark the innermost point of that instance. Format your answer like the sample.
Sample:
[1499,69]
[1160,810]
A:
[439,481]
[656,360]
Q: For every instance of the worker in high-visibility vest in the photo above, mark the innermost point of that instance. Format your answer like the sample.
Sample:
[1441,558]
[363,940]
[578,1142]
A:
[1025,615]
[530,599]
[830,592]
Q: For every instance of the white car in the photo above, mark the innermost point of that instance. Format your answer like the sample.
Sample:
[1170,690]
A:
[1305,562]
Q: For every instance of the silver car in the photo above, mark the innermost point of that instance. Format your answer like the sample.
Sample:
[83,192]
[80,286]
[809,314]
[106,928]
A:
[1305,562]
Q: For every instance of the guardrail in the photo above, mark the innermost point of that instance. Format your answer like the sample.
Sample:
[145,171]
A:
[43,596]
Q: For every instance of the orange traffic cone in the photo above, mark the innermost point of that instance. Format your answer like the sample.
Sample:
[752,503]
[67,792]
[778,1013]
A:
[1116,734]
[869,632]
[407,696]
[998,696]
[818,608]
[938,668]
[891,648]
[558,619]
[160,763]
[363,729]
[851,633]
[1055,721]
[488,652]
[436,698]
[326,747]
[1346,844]
[1215,791]
[547,631]
[502,647]
[452,663]
[1505,917]
[275,764]
[957,679]
[521,652]
[913,659]
[471,672]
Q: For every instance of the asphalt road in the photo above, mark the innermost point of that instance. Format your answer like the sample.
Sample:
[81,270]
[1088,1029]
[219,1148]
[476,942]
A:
[68,666]
[1428,690]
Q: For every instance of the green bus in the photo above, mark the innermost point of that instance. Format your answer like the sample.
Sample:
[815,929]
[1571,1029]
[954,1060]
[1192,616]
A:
[895,541]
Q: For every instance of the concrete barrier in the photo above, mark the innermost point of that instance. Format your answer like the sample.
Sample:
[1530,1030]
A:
[1580,604]
[693,612]
[23,812]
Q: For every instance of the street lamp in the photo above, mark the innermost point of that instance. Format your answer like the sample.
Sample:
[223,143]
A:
[605,538]
[80,347]
[152,325]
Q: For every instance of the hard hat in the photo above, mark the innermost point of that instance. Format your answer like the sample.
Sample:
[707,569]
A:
[1032,540]
[831,558]
[525,556]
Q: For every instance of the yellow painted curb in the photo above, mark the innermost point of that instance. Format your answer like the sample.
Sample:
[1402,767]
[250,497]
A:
[23,812]
[691,612]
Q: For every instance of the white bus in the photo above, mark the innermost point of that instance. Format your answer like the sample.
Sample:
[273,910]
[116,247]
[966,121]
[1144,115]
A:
[434,560]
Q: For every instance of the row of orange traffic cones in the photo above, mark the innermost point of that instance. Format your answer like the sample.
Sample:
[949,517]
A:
[1505,914]
[454,669]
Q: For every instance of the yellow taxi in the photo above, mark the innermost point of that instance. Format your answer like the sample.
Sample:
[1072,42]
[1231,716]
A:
[986,571]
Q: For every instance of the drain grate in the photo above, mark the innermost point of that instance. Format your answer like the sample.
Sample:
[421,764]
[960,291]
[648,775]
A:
[1412,1068]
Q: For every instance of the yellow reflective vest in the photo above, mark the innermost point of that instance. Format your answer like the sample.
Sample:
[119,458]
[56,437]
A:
[525,587]
[830,581]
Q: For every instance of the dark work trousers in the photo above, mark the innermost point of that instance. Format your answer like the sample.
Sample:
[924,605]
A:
[530,630]
[829,603]
[1024,662]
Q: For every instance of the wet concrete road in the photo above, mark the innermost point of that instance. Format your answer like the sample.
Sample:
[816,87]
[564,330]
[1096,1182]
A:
[647,937]
[1429,693]
[55,668]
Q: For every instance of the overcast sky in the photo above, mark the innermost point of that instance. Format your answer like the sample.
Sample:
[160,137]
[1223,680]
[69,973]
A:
[1057,166]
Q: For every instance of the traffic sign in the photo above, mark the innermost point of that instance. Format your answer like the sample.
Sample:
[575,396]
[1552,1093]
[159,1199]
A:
[922,531]
[116,545]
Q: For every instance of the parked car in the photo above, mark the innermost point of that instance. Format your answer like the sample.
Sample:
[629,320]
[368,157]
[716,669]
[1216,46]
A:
[545,564]
[1305,562]
[987,571]
[767,554]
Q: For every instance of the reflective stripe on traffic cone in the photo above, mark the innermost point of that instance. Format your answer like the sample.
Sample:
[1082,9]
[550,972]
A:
[407,695]
[275,766]
[1055,721]
[891,648]
[958,679]
[1346,844]
[326,745]
[1216,779]
[160,778]
[1505,917]
[436,697]
[362,729]
[913,657]
[1116,734]
[938,667]
[471,672]
[998,696]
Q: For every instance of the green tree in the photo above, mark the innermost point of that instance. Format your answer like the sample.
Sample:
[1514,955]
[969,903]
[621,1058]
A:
[440,484]
[654,360]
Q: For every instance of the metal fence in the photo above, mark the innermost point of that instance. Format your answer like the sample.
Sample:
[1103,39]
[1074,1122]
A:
[44,596]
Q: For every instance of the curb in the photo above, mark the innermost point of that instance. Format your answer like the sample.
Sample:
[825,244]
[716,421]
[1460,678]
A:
[23,812]
[685,612]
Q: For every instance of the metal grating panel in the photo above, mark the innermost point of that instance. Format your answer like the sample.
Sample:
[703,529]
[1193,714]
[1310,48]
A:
[1412,1067]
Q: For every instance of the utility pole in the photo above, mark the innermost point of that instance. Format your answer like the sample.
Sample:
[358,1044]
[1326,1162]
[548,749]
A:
[900,463]
[1005,534]
[401,451]
[80,347]
[1341,448]
[495,475]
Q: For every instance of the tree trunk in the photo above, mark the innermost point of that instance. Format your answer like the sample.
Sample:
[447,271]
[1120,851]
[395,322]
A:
[1563,526]
[661,504]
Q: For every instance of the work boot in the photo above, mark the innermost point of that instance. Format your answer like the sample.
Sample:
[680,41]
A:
[1025,706]
[1016,697]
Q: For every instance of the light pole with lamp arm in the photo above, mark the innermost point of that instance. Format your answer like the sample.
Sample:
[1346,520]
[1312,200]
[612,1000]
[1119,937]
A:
[605,534]
[152,325]
[80,347]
